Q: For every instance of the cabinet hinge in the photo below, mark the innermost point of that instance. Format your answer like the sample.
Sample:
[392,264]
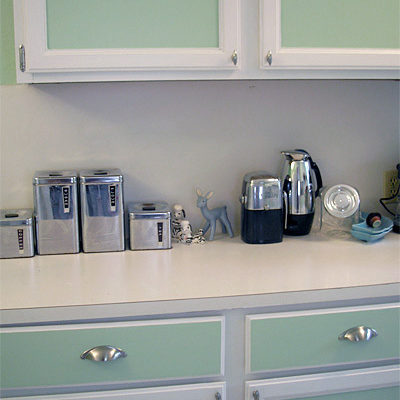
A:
[22,63]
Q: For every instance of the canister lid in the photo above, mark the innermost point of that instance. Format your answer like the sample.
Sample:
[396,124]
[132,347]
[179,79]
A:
[16,217]
[261,191]
[159,209]
[55,177]
[97,176]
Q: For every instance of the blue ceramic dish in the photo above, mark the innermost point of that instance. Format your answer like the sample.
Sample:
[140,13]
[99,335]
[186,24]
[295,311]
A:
[365,233]
[386,226]
[366,237]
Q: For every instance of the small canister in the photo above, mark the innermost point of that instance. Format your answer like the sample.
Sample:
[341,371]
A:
[16,233]
[55,196]
[262,208]
[102,210]
[149,226]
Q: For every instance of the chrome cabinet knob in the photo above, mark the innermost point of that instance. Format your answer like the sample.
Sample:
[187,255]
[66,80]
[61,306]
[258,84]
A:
[358,334]
[103,354]
[234,57]
[256,395]
[269,57]
[218,396]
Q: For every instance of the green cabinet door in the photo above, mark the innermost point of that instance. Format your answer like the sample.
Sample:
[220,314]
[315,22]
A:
[391,393]
[123,39]
[357,384]
[330,34]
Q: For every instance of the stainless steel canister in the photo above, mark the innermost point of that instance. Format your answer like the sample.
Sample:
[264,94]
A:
[16,233]
[55,196]
[102,210]
[149,226]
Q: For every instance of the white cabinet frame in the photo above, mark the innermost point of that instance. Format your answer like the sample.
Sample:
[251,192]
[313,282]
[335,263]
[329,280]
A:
[31,31]
[323,384]
[314,58]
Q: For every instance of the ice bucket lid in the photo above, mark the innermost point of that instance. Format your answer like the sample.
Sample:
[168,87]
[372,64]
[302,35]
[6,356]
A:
[261,191]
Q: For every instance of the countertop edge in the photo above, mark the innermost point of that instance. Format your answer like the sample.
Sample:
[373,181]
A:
[269,302]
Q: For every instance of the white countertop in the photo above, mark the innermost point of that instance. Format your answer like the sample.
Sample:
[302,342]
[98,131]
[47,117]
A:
[222,268]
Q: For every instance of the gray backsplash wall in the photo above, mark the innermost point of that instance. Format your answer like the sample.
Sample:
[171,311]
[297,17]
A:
[171,137]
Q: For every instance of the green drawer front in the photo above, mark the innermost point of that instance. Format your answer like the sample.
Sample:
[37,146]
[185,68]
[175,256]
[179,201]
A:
[392,393]
[311,340]
[155,351]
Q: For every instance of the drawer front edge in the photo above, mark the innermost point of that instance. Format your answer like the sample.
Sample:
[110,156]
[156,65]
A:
[156,350]
[310,338]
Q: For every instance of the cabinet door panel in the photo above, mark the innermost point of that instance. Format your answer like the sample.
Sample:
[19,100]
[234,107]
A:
[340,24]
[392,393]
[62,36]
[85,24]
[330,34]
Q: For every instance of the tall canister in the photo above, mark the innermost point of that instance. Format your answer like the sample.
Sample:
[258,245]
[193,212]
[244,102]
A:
[16,233]
[102,210]
[55,196]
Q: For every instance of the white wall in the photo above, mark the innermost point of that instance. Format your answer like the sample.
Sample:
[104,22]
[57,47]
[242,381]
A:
[170,137]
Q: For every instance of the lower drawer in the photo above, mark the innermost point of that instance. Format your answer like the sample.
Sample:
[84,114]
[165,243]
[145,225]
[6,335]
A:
[208,391]
[162,349]
[310,338]
[363,384]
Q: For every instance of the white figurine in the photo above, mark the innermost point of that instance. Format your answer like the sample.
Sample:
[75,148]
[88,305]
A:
[178,214]
[181,228]
[199,237]
[185,235]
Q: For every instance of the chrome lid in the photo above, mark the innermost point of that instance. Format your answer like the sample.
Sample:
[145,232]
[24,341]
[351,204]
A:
[55,177]
[97,176]
[296,155]
[261,191]
[16,217]
[158,209]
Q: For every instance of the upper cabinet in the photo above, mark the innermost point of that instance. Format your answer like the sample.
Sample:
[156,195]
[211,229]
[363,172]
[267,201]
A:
[335,34]
[103,40]
[78,36]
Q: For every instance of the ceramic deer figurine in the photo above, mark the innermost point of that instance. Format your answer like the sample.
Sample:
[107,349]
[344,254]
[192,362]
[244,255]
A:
[213,215]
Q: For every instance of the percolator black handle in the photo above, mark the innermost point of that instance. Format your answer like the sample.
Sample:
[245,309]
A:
[314,166]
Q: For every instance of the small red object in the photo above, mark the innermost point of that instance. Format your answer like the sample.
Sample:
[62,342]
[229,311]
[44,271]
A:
[374,220]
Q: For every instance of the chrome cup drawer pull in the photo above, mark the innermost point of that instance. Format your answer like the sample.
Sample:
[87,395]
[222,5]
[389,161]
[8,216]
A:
[103,354]
[358,334]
